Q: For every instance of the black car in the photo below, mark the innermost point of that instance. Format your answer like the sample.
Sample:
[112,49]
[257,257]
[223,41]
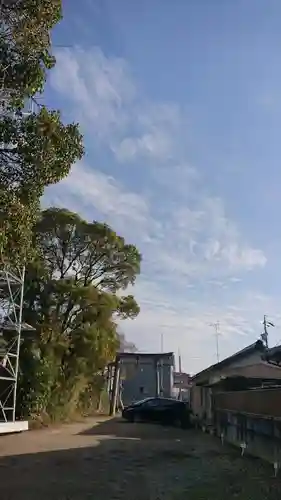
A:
[161,410]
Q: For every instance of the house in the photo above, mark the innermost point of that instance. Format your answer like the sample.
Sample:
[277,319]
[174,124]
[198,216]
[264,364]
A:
[145,375]
[182,384]
[245,369]
[239,399]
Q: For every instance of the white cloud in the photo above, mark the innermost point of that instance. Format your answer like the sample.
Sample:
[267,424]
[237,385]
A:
[93,194]
[155,137]
[196,242]
[183,231]
[98,88]
[102,94]
[185,323]
[155,144]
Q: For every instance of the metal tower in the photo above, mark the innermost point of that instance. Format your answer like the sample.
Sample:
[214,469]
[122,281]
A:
[11,328]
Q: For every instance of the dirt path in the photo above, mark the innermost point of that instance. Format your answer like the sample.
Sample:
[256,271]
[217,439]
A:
[112,460]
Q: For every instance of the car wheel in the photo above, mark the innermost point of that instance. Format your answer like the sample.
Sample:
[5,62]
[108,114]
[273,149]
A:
[131,419]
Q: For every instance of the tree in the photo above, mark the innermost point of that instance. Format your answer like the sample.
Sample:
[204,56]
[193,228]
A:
[36,149]
[72,299]
[25,47]
[91,253]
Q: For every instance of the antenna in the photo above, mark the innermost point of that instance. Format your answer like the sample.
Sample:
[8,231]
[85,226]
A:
[266,324]
[216,326]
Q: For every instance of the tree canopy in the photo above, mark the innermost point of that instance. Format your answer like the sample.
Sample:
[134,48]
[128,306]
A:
[76,271]
[25,46]
[36,148]
[73,301]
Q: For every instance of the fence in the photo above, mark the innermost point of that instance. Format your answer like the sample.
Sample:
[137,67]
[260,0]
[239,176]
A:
[266,402]
[251,419]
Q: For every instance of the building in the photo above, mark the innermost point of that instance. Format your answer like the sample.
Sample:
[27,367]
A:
[182,385]
[244,368]
[145,375]
[239,399]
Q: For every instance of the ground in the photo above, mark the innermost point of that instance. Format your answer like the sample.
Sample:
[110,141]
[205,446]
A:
[105,459]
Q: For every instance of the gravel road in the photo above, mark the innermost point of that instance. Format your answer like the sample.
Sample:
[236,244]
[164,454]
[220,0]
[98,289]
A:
[105,459]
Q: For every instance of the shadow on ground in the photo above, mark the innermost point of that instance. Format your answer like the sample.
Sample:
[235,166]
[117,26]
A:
[119,428]
[120,461]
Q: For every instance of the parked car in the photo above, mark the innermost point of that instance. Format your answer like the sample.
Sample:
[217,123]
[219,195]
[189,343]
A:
[161,410]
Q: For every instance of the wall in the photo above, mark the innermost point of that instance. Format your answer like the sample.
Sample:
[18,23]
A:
[250,366]
[261,436]
[265,402]
[139,380]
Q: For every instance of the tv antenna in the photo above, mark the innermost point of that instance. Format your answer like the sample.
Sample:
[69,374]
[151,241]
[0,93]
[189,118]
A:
[266,324]
[216,327]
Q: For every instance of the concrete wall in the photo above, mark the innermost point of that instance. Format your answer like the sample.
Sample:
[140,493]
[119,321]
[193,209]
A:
[260,436]
[140,379]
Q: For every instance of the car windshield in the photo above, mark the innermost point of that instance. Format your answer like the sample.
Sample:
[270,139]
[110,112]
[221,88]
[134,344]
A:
[142,401]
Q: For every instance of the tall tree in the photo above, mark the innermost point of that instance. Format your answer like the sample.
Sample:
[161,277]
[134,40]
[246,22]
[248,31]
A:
[72,298]
[25,47]
[36,149]
[91,253]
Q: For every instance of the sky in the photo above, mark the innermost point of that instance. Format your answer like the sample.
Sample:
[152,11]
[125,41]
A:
[180,106]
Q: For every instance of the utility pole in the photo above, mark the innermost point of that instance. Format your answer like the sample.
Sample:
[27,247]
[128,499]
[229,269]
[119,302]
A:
[216,326]
[180,372]
[115,387]
[264,335]
[162,342]
[179,361]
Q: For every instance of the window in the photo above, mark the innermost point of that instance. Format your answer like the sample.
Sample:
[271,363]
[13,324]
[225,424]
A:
[151,403]
[167,402]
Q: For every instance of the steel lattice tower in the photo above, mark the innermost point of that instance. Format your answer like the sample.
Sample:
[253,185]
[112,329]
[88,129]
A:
[11,284]
[11,328]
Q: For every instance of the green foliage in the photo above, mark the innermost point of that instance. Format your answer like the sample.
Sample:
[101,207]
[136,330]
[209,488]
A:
[25,46]
[89,252]
[36,149]
[39,151]
[70,299]
[127,307]
[16,221]
[75,270]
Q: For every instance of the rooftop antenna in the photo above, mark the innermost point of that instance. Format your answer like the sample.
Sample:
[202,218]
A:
[216,326]
[264,335]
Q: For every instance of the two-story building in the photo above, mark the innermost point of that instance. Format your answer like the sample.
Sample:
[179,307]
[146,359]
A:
[145,375]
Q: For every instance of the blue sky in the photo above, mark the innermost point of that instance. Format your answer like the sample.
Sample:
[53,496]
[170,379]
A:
[180,106]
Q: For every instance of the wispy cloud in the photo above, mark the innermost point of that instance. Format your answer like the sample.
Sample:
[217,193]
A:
[103,96]
[180,225]
[186,324]
[97,89]
[155,134]
[196,242]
